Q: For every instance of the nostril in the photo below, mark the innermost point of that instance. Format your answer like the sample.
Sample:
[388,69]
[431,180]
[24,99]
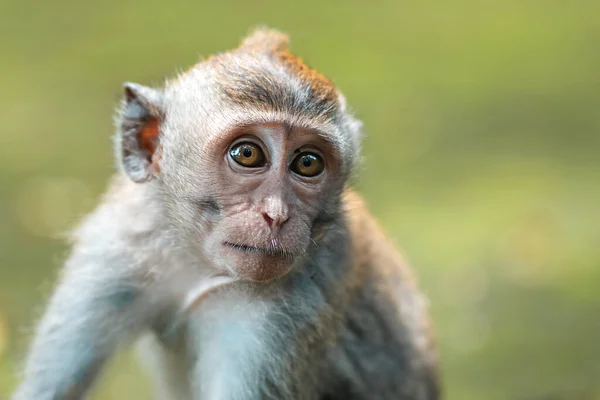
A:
[268,219]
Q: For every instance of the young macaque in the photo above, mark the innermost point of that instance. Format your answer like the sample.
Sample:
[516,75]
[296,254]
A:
[230,247]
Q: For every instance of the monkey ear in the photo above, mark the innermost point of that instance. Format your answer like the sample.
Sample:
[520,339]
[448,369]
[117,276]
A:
[138,138]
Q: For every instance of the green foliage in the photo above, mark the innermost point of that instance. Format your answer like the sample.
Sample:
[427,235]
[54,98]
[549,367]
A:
[482,159]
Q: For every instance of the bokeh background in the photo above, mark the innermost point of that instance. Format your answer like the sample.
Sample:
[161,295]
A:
[482,160]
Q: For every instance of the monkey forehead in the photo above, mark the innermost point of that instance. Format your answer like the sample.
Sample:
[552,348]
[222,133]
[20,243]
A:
[198,109]
[202,129]
[275,81]
[269,79]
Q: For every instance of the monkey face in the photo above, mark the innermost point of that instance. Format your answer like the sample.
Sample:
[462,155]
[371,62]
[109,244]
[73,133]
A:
[275,178]
[269,186]
[251,158]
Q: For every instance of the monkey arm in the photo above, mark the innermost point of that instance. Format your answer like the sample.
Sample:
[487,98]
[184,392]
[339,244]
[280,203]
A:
[88,315]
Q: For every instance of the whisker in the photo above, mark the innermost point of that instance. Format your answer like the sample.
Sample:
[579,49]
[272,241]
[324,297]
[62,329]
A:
[273,251]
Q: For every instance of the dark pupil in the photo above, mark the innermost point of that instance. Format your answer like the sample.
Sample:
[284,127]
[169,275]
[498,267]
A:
[306,161]
[247,153]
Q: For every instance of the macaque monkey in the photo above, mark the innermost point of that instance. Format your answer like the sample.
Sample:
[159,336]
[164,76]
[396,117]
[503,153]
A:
[230,248]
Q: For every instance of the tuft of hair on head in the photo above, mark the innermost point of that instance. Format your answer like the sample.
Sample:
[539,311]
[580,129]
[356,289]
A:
[265,40]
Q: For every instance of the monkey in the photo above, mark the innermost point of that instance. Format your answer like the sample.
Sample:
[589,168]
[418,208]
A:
[230,248]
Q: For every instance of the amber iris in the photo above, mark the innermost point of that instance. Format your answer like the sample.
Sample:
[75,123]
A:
[247,155]
[308,164]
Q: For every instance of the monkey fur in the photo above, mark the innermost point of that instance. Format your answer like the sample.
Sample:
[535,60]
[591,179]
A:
[238,272]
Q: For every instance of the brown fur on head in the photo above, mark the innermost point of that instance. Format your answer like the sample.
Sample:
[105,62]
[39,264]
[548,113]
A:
[283,83]
[262,93]
[265,40]
[276,45]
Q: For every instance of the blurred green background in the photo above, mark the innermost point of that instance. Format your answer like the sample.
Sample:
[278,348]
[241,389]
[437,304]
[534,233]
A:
[482,160]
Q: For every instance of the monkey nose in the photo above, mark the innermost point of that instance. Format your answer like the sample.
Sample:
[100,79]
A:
[274,221]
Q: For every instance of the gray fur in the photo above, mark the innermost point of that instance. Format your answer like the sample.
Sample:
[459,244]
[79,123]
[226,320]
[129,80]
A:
[333,327]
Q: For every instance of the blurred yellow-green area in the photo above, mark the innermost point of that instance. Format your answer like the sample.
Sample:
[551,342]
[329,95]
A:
[482,160]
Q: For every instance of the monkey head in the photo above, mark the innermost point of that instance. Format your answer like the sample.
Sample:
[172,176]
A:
[248,153]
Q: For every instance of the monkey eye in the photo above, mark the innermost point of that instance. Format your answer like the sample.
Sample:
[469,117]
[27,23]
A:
[247,155]
[307,164]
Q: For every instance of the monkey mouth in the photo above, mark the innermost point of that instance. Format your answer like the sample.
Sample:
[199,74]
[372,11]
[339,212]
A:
[268,251]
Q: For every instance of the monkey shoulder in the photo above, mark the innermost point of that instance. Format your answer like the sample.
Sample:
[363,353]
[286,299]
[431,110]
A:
[386,325]
[126,220]
[117,246]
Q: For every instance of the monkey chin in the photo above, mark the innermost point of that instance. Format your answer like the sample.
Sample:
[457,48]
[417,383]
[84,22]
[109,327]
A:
[250,264]
[257,264]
